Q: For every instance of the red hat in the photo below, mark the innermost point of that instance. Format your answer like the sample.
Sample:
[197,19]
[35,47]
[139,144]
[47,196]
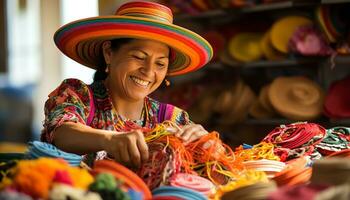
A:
[337,100]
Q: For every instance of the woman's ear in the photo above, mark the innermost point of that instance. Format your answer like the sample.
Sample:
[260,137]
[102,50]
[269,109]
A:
[107,51]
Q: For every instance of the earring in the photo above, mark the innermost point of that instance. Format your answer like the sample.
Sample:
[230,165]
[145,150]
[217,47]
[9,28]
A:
[167,82]
[107,68]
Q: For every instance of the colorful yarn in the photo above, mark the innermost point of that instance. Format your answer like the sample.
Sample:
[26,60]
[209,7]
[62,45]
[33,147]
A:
[249,177]
[62,191]
[298,137]
[182,193]
[193,182]
[6,173]
[44,172]
[13,195]
[207,157]
[296,172]
[126,176]
[217,162]
[106,185]
[270,167]
[259,151]
[38,149]
[336,139]
[41,172]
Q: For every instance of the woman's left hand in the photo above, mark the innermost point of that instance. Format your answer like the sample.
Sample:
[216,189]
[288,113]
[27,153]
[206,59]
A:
[191,132]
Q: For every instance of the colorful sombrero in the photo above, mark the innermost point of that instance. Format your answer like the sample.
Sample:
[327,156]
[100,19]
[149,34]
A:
[81,40]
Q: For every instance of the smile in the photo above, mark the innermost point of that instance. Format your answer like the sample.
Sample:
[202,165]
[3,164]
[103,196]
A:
[140,81]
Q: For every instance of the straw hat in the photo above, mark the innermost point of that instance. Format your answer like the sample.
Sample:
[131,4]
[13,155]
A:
[81,40]
[241,102]
[268,50]
[296,97]
[262,108]
[245,47]
[283,29]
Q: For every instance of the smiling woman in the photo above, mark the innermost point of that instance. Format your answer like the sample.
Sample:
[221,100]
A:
[133,52]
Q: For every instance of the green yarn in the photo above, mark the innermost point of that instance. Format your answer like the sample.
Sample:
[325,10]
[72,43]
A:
[108,188]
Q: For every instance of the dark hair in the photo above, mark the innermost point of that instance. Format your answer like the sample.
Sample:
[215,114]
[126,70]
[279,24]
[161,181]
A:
[101,74]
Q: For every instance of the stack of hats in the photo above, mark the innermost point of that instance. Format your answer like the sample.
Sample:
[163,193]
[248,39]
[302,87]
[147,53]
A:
[262,107]
[129,179]
[295,97]
[337,100]
[176,193]
[257,191]
[331,171]
[38,149]
[270,167]
[296,172]
[234,103]
[193,182]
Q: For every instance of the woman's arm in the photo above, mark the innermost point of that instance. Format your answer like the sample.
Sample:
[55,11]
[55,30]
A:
[127,148]
[80,139]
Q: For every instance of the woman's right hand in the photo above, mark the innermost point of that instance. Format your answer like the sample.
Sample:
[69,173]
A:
[129,149]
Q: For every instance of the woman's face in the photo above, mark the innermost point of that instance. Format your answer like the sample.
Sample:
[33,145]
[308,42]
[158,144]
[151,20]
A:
[136,68]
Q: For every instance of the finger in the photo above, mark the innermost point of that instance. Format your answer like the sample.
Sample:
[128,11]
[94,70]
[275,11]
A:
[117,156]
[124,153]
[196,136]
[134,154]
[142,147]
[189,132]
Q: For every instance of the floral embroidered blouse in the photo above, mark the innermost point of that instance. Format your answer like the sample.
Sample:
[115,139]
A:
[74,101]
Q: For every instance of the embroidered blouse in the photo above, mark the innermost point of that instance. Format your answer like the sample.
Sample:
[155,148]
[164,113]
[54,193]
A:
[75,101]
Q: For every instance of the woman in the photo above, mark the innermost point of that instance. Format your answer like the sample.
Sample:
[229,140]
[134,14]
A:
[133,51]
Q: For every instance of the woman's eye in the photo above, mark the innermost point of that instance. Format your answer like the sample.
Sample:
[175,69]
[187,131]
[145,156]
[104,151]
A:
[138,57]
[161,64]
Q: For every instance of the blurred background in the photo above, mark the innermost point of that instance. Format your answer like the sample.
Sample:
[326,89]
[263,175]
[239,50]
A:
[224,96]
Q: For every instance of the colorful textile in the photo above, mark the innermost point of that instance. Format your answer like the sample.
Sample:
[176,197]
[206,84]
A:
[70,102]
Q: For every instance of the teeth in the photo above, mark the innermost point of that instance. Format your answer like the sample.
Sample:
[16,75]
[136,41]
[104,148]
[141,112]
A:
[140,81]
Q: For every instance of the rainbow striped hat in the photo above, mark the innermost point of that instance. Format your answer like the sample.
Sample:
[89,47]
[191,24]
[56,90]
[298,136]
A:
[81,40]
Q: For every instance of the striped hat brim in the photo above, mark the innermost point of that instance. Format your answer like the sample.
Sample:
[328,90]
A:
[81,40]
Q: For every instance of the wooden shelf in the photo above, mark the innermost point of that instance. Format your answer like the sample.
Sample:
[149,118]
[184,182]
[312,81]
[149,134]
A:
[229,12]
[329,123]
[281,63]
[334,1]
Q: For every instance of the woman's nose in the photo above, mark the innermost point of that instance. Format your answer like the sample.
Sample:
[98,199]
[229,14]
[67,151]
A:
[147,68]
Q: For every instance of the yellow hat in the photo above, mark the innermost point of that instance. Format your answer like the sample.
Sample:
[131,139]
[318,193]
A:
[268,50]
[296,98]
[245,47]
[283,29]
